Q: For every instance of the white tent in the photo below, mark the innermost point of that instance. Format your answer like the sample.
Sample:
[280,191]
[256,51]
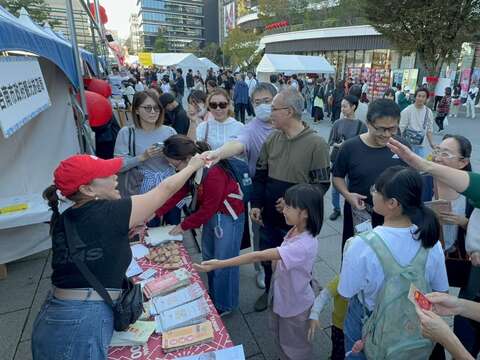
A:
[28,159]
[292,64]
[209,63]
[184,61]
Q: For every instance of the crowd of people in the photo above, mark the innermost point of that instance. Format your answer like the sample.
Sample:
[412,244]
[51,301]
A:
[266,169]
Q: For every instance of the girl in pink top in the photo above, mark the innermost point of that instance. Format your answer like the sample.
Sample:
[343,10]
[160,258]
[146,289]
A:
[294,260]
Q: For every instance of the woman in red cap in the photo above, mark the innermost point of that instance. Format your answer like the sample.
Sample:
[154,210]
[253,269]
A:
[75,322]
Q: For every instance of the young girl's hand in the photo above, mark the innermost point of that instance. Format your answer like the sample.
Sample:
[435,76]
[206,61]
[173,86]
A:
[313,325]
[177,230]
[207,266]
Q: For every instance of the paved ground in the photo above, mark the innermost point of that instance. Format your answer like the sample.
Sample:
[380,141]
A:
[28,282]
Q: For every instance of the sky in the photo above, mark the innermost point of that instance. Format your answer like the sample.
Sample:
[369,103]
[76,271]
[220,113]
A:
[118,12]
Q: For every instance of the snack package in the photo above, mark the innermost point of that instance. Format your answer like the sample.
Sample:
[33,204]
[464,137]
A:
[418,298]
[168,283]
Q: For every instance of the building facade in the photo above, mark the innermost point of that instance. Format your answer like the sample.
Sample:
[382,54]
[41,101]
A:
[180,22]
[58,13]
[134,35]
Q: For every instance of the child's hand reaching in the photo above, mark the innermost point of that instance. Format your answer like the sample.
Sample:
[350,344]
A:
[313,325]
[207,266]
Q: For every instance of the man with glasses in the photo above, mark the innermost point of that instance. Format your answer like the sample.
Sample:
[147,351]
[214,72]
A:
[250,142]
[361,160]
[294,154]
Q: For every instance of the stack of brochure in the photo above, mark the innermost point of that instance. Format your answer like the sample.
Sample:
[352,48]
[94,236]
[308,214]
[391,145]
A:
[136,334]
[187,336]
[191,313]
[162,303]
[167,283]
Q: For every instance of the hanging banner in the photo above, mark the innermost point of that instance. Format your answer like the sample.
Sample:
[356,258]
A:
[145,59]
[23,92]
[410,77]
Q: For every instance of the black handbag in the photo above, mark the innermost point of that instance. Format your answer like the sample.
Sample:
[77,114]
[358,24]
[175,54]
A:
[129,306]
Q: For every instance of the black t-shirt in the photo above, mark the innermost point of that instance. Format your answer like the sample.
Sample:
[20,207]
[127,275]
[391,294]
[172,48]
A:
[362,165]
[102,226]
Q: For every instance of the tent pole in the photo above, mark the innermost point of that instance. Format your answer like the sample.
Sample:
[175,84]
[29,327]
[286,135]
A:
[76,60]
[93,25]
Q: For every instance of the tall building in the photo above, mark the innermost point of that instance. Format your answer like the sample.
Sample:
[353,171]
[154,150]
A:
[134,35]
[211,21]
[181,23]
[82,24]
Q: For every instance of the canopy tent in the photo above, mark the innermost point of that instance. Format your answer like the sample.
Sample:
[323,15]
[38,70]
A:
[184,61]
[209,64]
[28,159]
[24,35]
[292,64]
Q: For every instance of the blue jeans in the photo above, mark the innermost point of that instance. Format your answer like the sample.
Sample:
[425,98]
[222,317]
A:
[72,329]
[335,198]
[224,283]
[352,327]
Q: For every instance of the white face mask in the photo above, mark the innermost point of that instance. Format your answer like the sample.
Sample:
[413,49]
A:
[263,111]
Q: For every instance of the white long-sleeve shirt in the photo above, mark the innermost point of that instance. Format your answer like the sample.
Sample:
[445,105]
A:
[219,133]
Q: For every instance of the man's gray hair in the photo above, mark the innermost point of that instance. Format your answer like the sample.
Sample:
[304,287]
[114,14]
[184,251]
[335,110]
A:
[263,86]
[293,99]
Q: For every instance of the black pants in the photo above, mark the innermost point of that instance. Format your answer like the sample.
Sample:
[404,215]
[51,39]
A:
[270,237]
[240,112]
[317,113]
[439,120]
[338,343]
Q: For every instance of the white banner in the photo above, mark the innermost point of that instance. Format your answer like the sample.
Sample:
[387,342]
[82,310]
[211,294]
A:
[23,92]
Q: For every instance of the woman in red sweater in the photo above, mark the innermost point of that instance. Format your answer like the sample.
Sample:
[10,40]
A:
[219,208]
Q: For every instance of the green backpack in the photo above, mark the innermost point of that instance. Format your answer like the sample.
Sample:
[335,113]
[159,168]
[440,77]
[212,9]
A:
[392,331]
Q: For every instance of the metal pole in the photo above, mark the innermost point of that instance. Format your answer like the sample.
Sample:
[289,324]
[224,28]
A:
[76,59]
[94,40]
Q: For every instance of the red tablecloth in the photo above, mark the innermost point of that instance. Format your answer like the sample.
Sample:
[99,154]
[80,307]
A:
[153,349]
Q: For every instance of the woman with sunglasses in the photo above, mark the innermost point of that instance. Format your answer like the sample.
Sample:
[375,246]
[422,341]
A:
[139,144]
[222,126]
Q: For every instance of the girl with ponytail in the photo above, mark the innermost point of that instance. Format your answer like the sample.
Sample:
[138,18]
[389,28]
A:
[408,226]
[218,206]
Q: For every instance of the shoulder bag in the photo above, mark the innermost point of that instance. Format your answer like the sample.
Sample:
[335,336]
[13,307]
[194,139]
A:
[130,181]
[129,306]
[414,137]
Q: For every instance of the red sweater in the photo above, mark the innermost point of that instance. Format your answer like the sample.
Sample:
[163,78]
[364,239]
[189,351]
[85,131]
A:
[213,190]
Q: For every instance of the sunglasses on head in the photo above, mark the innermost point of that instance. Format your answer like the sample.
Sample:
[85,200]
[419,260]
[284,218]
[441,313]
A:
[214,105]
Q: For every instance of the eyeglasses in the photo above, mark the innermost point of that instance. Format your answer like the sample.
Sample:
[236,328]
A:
[382,130]
[150,108]
[373,189]
[282,108]
[262,101]
[214,105]
[445,154]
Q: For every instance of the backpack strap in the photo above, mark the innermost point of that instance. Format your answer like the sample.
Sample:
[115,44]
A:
[389,264]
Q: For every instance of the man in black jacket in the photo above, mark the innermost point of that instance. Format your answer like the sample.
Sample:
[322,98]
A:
[175,115]
[179,85]
[189,80]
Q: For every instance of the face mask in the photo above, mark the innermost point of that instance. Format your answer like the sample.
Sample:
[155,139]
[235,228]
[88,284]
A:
[263,111]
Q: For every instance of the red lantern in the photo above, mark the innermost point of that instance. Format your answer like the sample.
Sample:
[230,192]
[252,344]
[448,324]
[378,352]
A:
[102,11]
[98,86]
[99,109]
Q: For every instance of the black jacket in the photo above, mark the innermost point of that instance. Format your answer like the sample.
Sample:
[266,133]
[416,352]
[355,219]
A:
[189,80]
[180,85]
[178,119]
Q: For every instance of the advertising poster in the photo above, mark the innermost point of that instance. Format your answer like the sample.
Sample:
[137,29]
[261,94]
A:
[410,78]
[465,80]
[397,77]
[23,92]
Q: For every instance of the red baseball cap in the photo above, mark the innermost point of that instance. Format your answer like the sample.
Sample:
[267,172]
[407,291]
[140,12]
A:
[80,170]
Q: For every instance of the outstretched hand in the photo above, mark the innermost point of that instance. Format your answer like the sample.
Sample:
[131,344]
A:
[206,266]
[407,155]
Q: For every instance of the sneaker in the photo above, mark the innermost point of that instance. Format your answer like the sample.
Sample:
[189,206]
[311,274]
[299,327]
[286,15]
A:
[260,279]
[262,302]
[335,215]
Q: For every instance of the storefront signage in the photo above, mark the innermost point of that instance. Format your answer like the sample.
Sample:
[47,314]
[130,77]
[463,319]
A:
[23,92]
